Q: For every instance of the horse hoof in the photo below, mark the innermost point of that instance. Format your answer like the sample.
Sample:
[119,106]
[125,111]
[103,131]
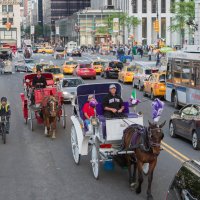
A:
[132,185]
[53,137]
[138,190]
[149,197]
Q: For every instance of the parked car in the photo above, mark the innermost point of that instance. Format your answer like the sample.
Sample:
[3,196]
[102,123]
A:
[186,123]
[25,65]
[155,85]
[69,66]
[59,52]
[112,70]
[85,70]
[76,52]
[98,65]
[142,72]
[126,74]
[68,86]
[186,182]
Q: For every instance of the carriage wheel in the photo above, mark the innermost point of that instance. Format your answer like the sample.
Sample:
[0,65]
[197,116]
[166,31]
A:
[74,144]
[26,120]
[64,118]
[95,161]
[4,135]
[31,120]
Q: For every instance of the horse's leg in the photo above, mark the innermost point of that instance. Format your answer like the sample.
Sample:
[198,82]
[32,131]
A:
[140,177]
[129,169]
[134,173]
[150,178]
[54,128]
[48,126]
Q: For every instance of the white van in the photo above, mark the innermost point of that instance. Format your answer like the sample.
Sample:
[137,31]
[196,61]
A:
[70,46]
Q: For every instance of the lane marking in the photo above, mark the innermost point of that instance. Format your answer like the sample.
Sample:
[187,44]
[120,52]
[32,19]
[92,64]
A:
[175,151]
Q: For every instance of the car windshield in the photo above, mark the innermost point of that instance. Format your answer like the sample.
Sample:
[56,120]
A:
[118,65]
[71,63]
[53,70]
[97,63]
[71,83]
[29,61]
[148,71]
[85,66]
[162,78]
[59,50]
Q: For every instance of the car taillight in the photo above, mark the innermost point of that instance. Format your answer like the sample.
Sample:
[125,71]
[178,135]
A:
[105,146]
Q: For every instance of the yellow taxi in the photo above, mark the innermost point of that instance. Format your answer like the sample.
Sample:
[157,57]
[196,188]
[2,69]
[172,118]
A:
[69,66]
[40,66]
[98,65]
[155,85]
[126,75]
[56,71]
[44,50]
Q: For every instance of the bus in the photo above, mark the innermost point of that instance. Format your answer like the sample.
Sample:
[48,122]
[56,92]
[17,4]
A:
[183,78]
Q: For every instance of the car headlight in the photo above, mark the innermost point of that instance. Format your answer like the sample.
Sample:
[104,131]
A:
[66,93]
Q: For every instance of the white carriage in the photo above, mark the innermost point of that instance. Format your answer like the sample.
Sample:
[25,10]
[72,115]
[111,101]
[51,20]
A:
[107,135]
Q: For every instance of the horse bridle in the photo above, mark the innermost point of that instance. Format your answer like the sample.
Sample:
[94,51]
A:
[49,107]
[151,142]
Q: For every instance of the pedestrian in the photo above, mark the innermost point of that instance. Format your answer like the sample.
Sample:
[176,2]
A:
[149,54]
[157,59]
[141,52]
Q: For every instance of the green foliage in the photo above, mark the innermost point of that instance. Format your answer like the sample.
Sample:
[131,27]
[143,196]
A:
[27,30]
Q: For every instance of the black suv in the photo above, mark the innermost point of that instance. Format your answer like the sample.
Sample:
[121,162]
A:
[186,183]
[112,70]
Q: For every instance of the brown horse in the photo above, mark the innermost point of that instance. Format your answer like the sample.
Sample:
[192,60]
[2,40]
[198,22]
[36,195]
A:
[50,113]
[146,144]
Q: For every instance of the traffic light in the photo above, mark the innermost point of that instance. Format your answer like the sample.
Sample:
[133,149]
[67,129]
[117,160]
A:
[8,26]
[156,25]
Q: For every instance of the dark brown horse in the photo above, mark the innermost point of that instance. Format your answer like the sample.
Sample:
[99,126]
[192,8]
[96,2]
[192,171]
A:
[146,144]
[50,112]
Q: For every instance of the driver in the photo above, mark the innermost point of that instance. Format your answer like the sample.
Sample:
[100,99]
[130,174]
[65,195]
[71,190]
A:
[5,111]
[39,82]
[113,104]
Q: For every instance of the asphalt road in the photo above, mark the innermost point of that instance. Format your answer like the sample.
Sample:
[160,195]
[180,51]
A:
[34,167]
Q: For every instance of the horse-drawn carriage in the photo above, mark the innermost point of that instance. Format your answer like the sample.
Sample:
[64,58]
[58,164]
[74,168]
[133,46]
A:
[105,142]
[43,98]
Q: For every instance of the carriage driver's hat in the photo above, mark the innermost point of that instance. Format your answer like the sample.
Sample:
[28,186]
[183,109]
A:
[112,86]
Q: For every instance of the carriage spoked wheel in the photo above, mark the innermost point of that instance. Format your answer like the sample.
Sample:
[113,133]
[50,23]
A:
[74,144]
[31,119]
[63,117]
[95,160]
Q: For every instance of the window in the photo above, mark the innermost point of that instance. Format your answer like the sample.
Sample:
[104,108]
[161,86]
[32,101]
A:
[4,8]
[4,21]
[163,6]
[163,27]
[144,27]
[172,6]
[135,6]
[110,3]
[10,8]
[153,6]
[11,20]
[144,6]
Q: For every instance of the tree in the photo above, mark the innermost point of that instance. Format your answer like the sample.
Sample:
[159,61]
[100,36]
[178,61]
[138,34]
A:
[131,23]
[184,14]
[38,31]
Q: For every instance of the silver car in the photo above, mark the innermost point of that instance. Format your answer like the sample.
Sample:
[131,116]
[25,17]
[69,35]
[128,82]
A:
[142,71]
[68,87]
[25,65]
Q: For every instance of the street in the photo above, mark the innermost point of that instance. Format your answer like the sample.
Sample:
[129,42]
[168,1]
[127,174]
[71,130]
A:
[34,167]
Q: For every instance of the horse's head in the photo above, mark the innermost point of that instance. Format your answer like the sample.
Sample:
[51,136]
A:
[52,105]
[155,136]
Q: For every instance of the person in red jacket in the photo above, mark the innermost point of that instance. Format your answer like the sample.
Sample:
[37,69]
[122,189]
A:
[88,110]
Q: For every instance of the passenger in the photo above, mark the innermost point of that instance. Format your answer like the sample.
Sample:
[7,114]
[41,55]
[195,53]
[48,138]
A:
[5,111]
[113,104]
[88,111]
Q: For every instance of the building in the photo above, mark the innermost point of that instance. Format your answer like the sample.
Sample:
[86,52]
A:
[52,10]
[88,27]
[40,12]
[146,11]
[197,21]
[10,12]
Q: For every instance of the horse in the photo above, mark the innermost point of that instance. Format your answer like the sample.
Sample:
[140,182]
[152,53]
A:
[50,111]
[146,143]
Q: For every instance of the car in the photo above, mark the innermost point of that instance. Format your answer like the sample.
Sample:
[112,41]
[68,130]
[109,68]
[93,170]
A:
[47,50]
[25,65]
[59,52]
[5,66]
[186,123]
[186,182]
[112,69]
[98,65]
[5,53]
[126,74]
[142,71]
[40,66]
[56,71]
[76,52]
[69,66]
[35,49]
[85,70]
[68,87]
[155,85]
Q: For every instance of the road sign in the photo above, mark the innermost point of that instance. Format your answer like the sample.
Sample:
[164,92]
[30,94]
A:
[57,30]
[32,30]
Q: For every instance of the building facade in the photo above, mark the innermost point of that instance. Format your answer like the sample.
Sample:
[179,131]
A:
[10,12]
[197,21]
[57,9]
